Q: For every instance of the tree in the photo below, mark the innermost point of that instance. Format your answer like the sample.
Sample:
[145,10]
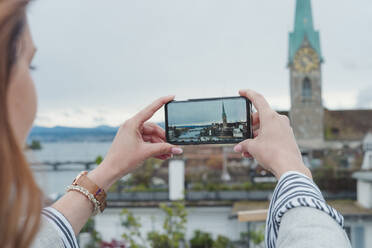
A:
[257,237]
[132,233]
[204,240]
[95,237]
[174,228]
[99,159]
[201,240]
[222,242]
[35,145]
[144,174]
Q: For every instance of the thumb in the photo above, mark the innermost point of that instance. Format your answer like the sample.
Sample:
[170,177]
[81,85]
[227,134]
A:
[157,149]
[247,145]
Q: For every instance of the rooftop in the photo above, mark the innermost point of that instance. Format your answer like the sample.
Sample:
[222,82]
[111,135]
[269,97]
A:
[348,208]
[363,175]
[345,125]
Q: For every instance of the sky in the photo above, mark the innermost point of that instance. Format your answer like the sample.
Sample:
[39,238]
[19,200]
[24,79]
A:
[100,62]
[206,112]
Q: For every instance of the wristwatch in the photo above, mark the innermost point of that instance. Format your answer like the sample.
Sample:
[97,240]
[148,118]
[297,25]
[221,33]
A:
[83,182]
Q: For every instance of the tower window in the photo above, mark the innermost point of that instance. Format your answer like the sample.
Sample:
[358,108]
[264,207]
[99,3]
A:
[306,90]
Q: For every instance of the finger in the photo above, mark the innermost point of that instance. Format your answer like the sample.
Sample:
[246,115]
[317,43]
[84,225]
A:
[152,138]
[158,149]
[156,139]
[146,138]
[150,128]
[149,111]
[245,146]
[258,101]
[255,118]
[255,133]
[246,155]
[164,156]
[256,127]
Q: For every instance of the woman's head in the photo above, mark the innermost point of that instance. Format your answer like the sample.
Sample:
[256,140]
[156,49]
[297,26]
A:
[21,199]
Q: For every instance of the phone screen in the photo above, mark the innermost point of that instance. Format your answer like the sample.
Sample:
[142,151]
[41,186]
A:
[208,121]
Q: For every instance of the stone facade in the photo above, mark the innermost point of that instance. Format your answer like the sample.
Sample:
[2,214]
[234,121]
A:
[306,114]
[304,63]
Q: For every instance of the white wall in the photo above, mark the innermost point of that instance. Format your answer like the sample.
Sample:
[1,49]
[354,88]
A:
[176,179]
[367,230]
[364,193]
[368,235]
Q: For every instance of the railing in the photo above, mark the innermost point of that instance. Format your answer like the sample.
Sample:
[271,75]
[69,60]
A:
[232,195]
[143,196]
[59,166]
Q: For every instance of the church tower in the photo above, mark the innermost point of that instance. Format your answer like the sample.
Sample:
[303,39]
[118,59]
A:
[224,117]
[304,63]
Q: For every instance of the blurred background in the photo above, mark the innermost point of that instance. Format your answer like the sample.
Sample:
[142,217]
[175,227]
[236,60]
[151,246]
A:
[98,63]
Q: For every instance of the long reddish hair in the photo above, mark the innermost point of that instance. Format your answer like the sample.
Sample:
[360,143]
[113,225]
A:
[20,197]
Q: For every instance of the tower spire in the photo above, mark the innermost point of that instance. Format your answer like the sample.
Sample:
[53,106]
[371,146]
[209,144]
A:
[223,110]
[303,29]
[224,117]
[304,17]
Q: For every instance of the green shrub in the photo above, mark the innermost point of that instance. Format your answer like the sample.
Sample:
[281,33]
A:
[223,242]
[95,236]
[201,240]
[172,235]
[35,145]
[99,159]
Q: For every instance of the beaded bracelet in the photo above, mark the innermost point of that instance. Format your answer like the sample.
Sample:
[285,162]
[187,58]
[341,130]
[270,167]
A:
[85,192]
[95,194]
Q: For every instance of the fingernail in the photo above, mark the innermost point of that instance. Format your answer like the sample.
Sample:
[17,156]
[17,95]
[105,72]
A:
[238,148]
[177,150]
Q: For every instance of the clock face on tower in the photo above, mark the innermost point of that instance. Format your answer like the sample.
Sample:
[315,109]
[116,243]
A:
[306,60]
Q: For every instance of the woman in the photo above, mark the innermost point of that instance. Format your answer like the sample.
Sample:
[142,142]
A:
[23,223]
[21,203]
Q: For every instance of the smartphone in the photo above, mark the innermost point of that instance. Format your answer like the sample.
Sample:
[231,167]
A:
[224,120]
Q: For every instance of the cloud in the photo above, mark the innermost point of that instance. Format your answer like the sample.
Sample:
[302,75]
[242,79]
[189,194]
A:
[84,117]
[364,98]
[99,120]
[113,66]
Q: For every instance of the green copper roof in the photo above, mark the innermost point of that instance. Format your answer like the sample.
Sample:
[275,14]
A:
[303,29]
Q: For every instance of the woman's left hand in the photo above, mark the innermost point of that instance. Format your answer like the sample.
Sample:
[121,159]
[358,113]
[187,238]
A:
[135,141]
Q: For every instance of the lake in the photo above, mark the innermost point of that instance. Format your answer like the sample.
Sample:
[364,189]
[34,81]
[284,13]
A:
[53,183]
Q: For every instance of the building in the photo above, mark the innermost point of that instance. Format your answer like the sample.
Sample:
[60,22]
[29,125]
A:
[304,63]
[314,126]
[224,117]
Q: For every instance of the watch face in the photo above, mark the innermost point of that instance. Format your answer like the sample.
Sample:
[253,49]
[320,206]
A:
[306,60]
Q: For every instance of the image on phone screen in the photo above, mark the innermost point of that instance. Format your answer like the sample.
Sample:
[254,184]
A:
[208,121]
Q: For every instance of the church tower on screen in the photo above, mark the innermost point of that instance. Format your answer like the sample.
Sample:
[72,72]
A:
[224,117]
[304,63]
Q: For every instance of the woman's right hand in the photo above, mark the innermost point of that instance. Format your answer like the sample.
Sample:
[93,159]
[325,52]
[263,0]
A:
[135,141]
[274,145]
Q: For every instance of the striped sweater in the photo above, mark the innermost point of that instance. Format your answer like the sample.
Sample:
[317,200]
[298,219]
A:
[55,231]
[294,190]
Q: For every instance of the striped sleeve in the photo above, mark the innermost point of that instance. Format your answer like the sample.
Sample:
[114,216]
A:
[62,226]
[294,190]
